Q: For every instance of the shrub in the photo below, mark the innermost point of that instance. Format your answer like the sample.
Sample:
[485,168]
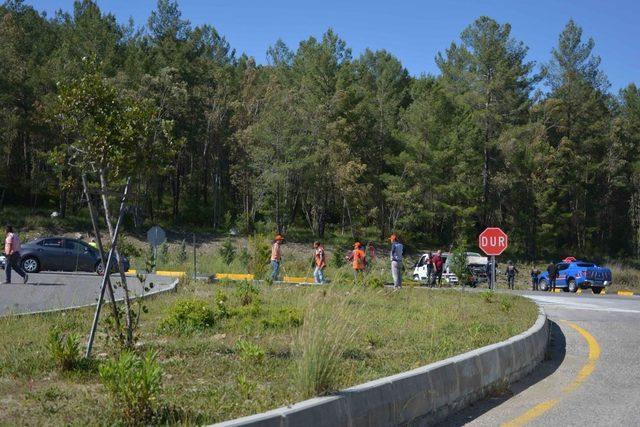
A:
[284,317]
[328,330]
[182,252]
[244,257]
[338,259]
[250,352]
[188,315]
[65,350]
[227,251]
[247,292]
[259,252]
[164,254]
[134,384]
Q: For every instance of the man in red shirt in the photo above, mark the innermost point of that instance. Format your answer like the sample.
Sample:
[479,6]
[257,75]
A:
[438,264]
[12,253]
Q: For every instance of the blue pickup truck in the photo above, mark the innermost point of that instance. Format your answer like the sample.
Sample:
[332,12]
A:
[578,274]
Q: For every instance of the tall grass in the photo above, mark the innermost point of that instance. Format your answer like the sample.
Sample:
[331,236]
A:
[329,328]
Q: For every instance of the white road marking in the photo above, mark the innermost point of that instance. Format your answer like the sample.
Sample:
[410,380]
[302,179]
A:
[557,302]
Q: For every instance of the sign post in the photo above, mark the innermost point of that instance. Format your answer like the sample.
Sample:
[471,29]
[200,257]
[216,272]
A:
[493,241]
[156,236]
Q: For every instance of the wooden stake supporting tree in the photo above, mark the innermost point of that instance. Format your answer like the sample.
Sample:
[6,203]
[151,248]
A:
[109,137]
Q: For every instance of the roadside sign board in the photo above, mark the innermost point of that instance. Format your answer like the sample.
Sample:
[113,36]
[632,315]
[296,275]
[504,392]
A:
[493,241]
[156,236]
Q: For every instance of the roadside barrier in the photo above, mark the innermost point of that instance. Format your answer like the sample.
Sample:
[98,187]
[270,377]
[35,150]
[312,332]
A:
[422,396]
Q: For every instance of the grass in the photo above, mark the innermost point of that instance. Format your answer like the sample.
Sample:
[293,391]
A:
[277,347]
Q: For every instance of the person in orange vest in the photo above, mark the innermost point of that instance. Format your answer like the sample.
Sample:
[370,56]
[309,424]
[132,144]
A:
[276,256]
[358,262]
[320,262]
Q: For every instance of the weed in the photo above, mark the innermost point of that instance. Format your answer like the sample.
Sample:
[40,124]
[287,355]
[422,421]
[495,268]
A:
[250,352]
[373,341]
[64,350]
[283,318]
[222,311]
[354,353]
[488,296]
[374,282]
[505,304]
[188,315]
[134,384]
[259,252]
[245,386]
[328,329]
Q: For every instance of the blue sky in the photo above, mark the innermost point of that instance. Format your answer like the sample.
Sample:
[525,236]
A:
[414,31]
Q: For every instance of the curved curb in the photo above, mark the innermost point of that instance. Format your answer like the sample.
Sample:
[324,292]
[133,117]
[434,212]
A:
[422,396]
[172,287]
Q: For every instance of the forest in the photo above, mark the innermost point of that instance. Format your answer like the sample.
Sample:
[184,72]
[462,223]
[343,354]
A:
[318,139]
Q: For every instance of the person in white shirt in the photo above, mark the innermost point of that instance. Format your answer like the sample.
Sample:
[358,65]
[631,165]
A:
[12,249]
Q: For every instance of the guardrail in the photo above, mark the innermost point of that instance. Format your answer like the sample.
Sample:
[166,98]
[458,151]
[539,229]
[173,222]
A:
[422,396]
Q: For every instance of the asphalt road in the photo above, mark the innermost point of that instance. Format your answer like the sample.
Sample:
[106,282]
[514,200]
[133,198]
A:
[50,291]
[592,376]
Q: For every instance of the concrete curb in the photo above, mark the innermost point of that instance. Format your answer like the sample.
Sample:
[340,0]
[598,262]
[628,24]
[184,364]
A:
[422,396]
[172,287]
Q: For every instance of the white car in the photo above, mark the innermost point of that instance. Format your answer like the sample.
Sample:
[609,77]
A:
[476,263]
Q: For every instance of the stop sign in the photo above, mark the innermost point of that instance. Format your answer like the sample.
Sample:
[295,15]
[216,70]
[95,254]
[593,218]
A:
[493,241]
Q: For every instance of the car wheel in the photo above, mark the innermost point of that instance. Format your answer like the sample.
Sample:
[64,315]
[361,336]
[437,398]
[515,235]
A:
[31,264]
[99,269]
[596,290]
[543,285]
[572,286]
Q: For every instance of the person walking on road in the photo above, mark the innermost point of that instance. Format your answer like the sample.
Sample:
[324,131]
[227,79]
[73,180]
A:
[438,264]
[276,257]
[358,262]
[320,263]
[534,278]
[12,249]
[511,272]
[552,270]
[396,261]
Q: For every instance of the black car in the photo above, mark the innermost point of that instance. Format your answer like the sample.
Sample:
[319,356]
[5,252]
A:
[62,254]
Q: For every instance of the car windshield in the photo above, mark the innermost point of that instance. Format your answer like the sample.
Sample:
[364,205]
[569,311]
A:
[52,243]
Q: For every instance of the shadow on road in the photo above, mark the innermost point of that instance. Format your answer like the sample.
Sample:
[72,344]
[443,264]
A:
[555,356]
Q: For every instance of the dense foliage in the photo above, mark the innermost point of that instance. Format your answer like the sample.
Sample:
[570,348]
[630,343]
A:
[319,139]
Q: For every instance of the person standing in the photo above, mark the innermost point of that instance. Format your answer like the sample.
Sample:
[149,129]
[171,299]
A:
[429,267]
[534,278]
[511,272]
[276,257]
[396,261]
[12,249]
[319,262]
[358,262]
[438,264]
[552,271]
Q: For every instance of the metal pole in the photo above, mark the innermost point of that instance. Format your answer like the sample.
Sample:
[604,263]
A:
[194,256]
[96,232]
[493,272]
[107,271]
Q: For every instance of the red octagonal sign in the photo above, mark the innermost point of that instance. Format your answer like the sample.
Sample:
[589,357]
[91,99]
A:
[493,241]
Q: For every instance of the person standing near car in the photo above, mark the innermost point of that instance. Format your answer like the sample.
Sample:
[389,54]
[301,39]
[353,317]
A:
[12,249]
[319,262]
[396,261]
[552,271]
[276,256]
[511,272]
[438,264]
[534,278]
[429,267]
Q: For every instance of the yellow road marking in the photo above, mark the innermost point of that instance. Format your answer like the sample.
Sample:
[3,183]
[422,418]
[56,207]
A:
[585,372]
[171,273]
[625,293]
[293,279]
